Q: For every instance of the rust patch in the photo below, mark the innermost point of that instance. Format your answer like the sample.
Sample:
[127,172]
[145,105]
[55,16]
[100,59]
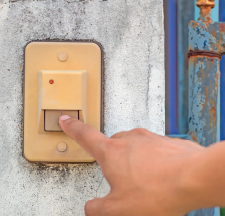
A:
[206,3]
[213,114]
[209,20]
[206,94]
[204,54]
[218,46]
[202,74]
[213,33]
[217,78]
[205,10]
[195,24]
[222,27]
[194,137]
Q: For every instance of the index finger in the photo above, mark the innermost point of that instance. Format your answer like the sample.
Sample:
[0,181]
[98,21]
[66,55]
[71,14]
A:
[85,135]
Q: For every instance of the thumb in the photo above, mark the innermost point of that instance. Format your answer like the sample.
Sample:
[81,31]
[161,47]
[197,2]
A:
[94,207]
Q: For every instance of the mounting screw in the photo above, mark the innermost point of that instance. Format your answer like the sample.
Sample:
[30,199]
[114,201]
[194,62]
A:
[62,147]
[62,56]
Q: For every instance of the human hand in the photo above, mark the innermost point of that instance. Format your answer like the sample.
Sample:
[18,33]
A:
[148,173]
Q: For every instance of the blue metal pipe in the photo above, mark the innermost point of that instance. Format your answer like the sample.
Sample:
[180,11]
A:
[222,68]
[185,13]
[171,66]
[204,99]
[206,46]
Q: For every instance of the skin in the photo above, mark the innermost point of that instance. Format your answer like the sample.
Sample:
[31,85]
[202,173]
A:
[151,174]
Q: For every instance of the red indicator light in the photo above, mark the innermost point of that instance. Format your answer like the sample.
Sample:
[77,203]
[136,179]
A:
[51,81]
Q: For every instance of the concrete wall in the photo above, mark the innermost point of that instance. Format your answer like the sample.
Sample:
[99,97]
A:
[131,32]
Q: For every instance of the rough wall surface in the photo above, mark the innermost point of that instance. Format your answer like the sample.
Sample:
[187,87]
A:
[132,35]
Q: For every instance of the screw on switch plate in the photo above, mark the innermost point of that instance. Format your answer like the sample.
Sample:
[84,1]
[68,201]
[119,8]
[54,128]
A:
[62,147]
[62,56]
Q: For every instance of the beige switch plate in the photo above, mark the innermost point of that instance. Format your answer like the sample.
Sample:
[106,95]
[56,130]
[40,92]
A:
[54,59]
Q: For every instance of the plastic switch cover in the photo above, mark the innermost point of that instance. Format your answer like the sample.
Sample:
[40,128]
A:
[60,78]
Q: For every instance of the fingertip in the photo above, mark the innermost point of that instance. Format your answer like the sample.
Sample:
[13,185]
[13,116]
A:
[85,135]
[64,117]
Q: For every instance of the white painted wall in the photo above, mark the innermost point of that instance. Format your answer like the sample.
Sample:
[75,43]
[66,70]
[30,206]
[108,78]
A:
[131,32]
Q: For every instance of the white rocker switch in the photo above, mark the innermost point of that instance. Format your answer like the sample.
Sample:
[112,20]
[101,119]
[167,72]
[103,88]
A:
[52,119]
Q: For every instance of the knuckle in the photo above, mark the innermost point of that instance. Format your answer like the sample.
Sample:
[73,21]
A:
[108,142]
[139,131]
[107,145]
[115,148]
[114,135]
[118,135]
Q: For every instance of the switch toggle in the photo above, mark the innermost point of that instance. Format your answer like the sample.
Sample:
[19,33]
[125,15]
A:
[52,119]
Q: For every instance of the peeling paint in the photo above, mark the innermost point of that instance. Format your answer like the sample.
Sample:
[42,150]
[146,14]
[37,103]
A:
[206,46]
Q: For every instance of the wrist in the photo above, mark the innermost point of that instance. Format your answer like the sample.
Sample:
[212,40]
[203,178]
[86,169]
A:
[194,185]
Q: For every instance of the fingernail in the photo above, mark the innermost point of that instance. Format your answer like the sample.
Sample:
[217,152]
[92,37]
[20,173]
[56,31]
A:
[64,117]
